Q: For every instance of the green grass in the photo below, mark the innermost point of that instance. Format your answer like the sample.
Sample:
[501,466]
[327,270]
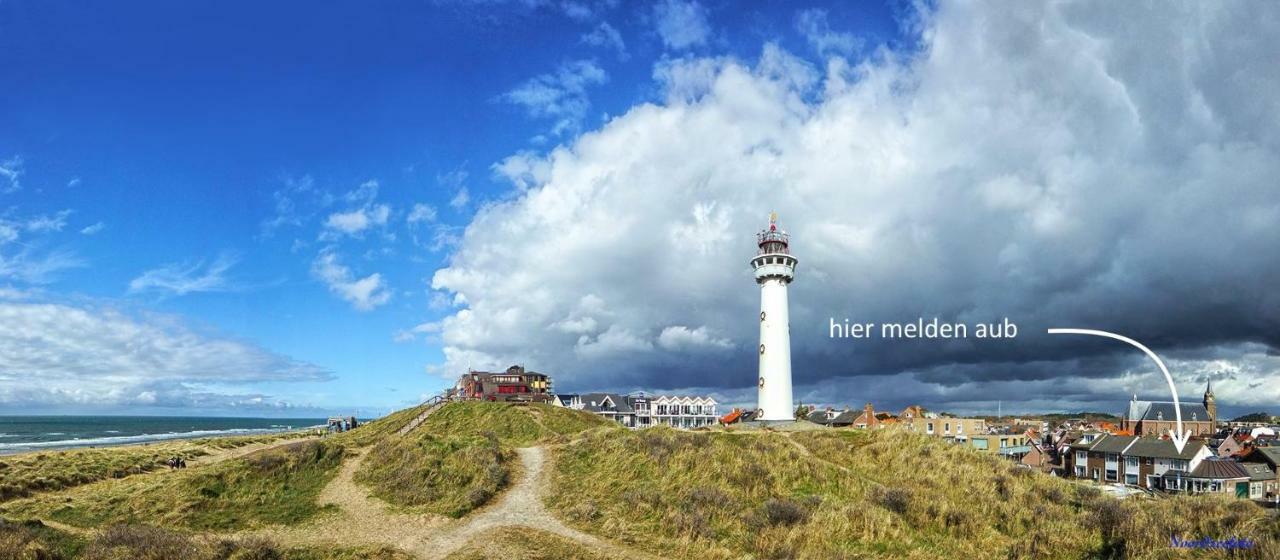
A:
[32,541]
[462,455]
[36,541]
[274,486]
[447,475]
[856,494]
[512,425]
[511,543]
[375,430]
[28,473]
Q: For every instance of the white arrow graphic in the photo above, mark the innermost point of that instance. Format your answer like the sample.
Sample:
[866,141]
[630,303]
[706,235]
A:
[1179,435]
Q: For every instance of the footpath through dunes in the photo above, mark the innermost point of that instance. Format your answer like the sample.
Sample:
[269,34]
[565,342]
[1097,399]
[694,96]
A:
[863,494]
[450,487]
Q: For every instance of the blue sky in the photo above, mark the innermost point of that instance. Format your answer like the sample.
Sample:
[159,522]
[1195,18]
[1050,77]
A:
[164,138]
[293,208]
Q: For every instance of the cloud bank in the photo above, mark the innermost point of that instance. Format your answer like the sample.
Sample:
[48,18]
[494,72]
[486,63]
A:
[1039,162]
[103,358]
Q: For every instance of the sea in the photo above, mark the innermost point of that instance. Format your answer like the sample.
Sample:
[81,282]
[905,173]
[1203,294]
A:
[33,433]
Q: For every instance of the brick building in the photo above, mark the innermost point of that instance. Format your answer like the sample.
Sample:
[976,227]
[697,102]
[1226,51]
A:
[1156,418]
[513,385]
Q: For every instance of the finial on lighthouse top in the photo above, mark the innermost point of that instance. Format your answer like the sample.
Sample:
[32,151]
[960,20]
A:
[772,240]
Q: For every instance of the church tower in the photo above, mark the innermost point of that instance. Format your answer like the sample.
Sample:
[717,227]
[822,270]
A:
[1211,406]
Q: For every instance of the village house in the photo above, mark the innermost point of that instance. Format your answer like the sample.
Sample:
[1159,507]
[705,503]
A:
[1262,481]
[833,418]
[866,418]
[640,410]
[1038,456]
[1234,444]
[1010,446]
[1270,458]
[1213,475]
[909,414]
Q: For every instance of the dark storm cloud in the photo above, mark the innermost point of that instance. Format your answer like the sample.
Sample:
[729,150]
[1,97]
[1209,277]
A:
[1043,163]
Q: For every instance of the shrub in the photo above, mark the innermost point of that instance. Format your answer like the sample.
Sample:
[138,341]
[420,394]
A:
[896,500]
[133,542]
[783,512]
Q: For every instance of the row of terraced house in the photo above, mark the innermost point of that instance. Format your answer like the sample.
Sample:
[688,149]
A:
[640,410]
[1137,454]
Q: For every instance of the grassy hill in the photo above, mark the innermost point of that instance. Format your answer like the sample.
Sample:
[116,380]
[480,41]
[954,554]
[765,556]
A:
[754,494]
[274,486]
[513,425]
[856,494]
[30,473]
[462,455]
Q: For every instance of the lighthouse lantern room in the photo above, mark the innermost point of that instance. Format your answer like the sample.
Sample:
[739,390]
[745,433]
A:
[775,267]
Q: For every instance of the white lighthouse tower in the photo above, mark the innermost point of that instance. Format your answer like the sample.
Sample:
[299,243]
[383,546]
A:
[775,267]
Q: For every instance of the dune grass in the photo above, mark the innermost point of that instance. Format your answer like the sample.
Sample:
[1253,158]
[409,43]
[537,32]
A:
[462,456]
[274,486]
[511,543]
[24,474]
[513,425]
[33,541]
[375,430]
[27,473]
[857,494]
[447,475]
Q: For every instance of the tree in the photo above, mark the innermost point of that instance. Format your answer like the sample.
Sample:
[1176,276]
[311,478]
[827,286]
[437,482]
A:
[1254,417]
[802,411]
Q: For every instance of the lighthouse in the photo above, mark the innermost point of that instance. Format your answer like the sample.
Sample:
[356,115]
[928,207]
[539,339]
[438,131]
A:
[775,267]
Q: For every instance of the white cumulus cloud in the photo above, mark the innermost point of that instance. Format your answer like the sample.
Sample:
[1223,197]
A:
[560,95]
[681,24]
[363,294]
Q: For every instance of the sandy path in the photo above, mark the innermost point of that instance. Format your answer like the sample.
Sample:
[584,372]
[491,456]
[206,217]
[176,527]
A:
[220,455]
[522,506]
[365,520]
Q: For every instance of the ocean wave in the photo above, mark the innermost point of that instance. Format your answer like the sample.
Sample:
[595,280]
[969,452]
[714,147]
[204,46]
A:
[123,440]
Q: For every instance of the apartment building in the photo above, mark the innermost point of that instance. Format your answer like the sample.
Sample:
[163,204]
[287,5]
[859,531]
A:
[947,427]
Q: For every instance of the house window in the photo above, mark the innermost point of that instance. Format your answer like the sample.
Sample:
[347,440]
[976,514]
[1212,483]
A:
[946,427]
[930,428]
[1131,478]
